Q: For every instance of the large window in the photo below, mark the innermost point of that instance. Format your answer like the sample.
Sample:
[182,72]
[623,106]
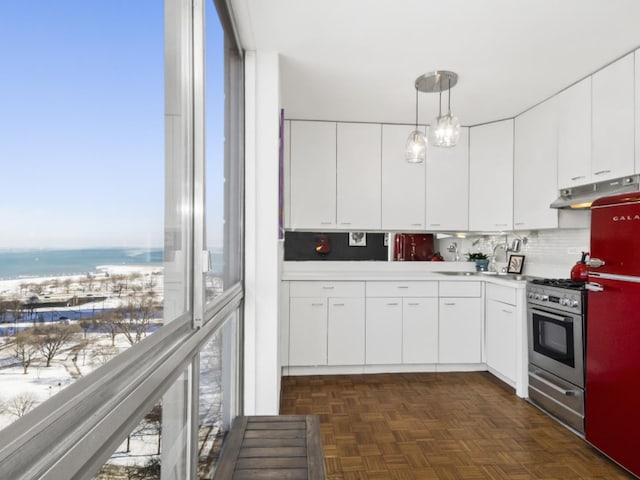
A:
[81,190]
[123,167]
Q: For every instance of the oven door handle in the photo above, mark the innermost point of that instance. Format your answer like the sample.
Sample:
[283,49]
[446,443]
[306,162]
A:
[553,386]
[552,316]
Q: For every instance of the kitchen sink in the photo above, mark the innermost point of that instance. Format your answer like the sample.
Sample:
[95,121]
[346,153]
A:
[506,276]
[459,274]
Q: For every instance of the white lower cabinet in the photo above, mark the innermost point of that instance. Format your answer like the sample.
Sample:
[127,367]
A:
[460,322]
[326,323]
[308,331]
[501,338]
[501,331]
[345,336]
[384,331]
[419,330]
[460,332]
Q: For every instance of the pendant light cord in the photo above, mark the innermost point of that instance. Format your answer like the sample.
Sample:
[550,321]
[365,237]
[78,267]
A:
[416,108]
[449,102]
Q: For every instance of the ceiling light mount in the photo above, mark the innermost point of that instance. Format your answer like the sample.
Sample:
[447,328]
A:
[437,81]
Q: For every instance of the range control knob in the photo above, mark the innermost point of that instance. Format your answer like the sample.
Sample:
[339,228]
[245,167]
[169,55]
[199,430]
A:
[536,296]
[565,302]
[574,303]
[544,298]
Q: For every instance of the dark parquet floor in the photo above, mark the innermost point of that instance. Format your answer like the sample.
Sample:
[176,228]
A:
[441,426]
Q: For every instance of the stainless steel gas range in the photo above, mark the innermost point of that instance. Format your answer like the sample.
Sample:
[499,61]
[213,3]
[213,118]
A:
[556,334]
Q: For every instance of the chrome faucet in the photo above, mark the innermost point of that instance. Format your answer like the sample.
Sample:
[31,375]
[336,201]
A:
[453,248]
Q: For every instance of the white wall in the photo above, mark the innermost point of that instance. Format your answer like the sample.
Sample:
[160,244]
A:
[262,102]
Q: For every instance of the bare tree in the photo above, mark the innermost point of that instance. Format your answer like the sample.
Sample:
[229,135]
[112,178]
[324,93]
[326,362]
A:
[17,308]
[104,353]
[154,420]
[20,404]
[135,318]
[26,347]
[108,321]
[53,338]
[66,283]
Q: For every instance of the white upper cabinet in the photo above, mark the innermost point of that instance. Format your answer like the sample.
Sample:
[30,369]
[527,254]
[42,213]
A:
[403,183]
[534,168]
[574,135]
[358,188]
[313,175]
[447,203]
[491,176]
[613,111]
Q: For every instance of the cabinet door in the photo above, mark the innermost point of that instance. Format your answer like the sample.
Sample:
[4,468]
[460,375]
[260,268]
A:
[345,344]
[447,200]
[535,183]
[501,338]
[420,330]
[460,330]
[384,331]
[313,174]
[574,135]
[491,176]
[358,187]
[613,120]
[403,183]
[307,331]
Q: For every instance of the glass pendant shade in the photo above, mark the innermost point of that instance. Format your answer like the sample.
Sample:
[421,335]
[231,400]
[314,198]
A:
[444,131]
[416,148]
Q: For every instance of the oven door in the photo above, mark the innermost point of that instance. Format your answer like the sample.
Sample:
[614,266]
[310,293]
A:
[556,343]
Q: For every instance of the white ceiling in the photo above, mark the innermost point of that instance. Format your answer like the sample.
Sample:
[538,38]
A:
[357,60]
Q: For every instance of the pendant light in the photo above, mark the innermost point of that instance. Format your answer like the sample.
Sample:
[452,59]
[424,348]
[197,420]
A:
[416,148]
[445,129]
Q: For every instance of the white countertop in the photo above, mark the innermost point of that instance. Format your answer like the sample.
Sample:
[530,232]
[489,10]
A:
[395,271]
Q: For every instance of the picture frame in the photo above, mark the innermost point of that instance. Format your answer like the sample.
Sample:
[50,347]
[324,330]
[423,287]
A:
[516,262]
[357,239]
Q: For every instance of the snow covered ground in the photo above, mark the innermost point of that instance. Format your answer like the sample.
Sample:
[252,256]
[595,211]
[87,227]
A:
[20,392]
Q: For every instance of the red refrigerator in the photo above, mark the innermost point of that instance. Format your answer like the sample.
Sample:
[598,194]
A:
[612,417]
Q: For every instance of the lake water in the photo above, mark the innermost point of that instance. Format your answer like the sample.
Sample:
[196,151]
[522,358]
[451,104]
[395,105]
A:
[53,263]
[44,263]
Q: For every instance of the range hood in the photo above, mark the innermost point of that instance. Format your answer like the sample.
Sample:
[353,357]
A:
[583,195]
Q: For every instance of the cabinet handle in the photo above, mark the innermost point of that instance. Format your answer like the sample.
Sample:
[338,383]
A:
[338,304]
[507,311]
[519,223]
[416,224]
[403,286]
[392,304]
[501,224]
[328,287]
[602,171]
[317,304]
[345,223]
[449,304]
[573,179]
[326,223]
[413,304]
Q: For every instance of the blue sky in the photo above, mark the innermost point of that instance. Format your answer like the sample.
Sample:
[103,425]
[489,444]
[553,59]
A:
[82,127]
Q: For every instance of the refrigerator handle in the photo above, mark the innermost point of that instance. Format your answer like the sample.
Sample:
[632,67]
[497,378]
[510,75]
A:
[594,287]
[595,262]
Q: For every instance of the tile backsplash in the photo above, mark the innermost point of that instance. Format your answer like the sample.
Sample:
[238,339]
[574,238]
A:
[548,253]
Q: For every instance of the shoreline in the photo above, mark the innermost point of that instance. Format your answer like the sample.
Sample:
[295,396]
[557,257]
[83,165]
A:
[12,286]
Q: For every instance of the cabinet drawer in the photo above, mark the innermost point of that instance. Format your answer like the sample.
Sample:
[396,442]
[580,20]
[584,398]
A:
[460,289]
[402,289]
[326,289]
[502,294]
